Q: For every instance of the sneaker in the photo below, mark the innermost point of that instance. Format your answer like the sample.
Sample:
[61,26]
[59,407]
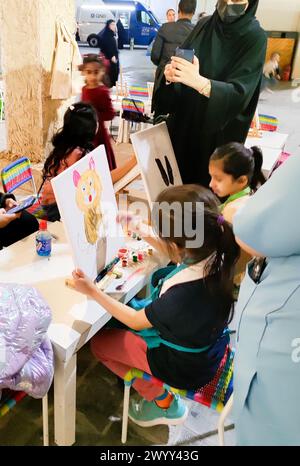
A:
[147,413]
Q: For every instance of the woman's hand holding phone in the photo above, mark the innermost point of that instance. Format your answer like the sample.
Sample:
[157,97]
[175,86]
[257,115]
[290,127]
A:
[184,72]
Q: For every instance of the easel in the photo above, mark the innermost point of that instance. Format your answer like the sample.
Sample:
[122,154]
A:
[121,86]
[255,130]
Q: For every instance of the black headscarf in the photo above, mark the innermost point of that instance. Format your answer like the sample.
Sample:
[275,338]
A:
[107,41]
[232,56]
[218,37]
[239,27]
[108,46]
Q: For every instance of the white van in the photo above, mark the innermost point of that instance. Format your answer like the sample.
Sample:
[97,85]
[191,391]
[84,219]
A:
[91,19]
[136,24]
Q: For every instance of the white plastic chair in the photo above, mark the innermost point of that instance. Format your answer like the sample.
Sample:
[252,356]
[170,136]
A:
[221,423]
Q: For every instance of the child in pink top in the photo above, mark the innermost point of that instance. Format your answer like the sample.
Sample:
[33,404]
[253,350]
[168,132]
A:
[71,143]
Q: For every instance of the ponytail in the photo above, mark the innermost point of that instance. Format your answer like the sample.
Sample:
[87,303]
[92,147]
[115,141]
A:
[258,178]
[239,161]
[219,247]
[220,270]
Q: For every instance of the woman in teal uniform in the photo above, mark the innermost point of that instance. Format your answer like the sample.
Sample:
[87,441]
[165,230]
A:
[267,366]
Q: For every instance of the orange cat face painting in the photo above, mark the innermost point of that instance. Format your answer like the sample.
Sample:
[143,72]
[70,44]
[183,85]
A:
[88,195]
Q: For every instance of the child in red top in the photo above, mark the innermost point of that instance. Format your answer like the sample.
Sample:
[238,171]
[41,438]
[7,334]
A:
[70,144]
[96,93]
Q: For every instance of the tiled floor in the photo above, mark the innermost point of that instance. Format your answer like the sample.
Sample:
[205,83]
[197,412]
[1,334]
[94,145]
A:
[99,396]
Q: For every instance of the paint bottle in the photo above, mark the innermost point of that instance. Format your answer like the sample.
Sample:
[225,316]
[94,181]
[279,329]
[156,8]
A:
[43,240]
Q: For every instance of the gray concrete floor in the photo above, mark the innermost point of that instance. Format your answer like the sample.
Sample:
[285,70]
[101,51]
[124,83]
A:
[99,396]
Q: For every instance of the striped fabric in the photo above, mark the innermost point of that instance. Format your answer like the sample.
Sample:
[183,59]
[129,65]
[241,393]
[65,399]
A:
[214,395]
[9,399]
[267,123]
[16,174]
[139,91]
[133,105]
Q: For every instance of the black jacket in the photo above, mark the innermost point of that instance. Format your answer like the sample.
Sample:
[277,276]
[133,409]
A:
[108,46]
[169,36]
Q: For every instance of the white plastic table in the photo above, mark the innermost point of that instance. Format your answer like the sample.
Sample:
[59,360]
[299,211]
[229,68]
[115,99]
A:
[269,139]
[272,144]
[75,319]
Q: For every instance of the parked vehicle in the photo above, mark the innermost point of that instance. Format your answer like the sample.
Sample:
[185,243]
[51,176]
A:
[136,24]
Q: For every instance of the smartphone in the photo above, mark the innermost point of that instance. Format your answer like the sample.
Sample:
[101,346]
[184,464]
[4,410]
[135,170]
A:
[28,202]
[186,54]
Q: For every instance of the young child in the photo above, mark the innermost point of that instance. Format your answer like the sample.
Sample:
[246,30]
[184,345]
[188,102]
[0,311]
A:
[271,72]
[14,227]
[235,172]
[179,336]
[96,93]
[71,143]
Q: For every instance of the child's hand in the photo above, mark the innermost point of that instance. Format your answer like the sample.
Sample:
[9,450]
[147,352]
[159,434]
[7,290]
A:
[114,60]
[82,284]
[10,203]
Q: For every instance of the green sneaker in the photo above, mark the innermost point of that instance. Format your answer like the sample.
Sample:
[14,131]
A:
[147,413]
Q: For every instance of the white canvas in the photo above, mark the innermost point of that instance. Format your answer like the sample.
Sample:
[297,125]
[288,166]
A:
[87,204]
[158,165]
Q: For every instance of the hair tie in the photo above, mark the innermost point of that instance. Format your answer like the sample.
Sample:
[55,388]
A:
[220,220]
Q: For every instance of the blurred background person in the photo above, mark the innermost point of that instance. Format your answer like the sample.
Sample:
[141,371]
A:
[108,46]
[121,34]
[171,15]
[271,73]
[169,37]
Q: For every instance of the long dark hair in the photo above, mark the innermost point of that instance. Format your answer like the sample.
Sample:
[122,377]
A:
[79,129]
[239,161]
[218,240]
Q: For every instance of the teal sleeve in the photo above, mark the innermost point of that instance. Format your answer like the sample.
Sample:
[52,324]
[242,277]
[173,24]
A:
[270,221]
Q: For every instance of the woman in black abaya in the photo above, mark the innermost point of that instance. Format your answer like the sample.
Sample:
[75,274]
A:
[108,46]
[214,99]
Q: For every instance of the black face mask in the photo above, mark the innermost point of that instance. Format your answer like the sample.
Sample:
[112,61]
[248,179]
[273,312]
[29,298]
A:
[232,12]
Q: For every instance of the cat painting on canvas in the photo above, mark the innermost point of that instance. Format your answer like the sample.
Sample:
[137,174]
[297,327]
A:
[88,194]
[88,207]
[88,199]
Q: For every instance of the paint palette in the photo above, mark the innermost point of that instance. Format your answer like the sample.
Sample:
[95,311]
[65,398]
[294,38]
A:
[139,261]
